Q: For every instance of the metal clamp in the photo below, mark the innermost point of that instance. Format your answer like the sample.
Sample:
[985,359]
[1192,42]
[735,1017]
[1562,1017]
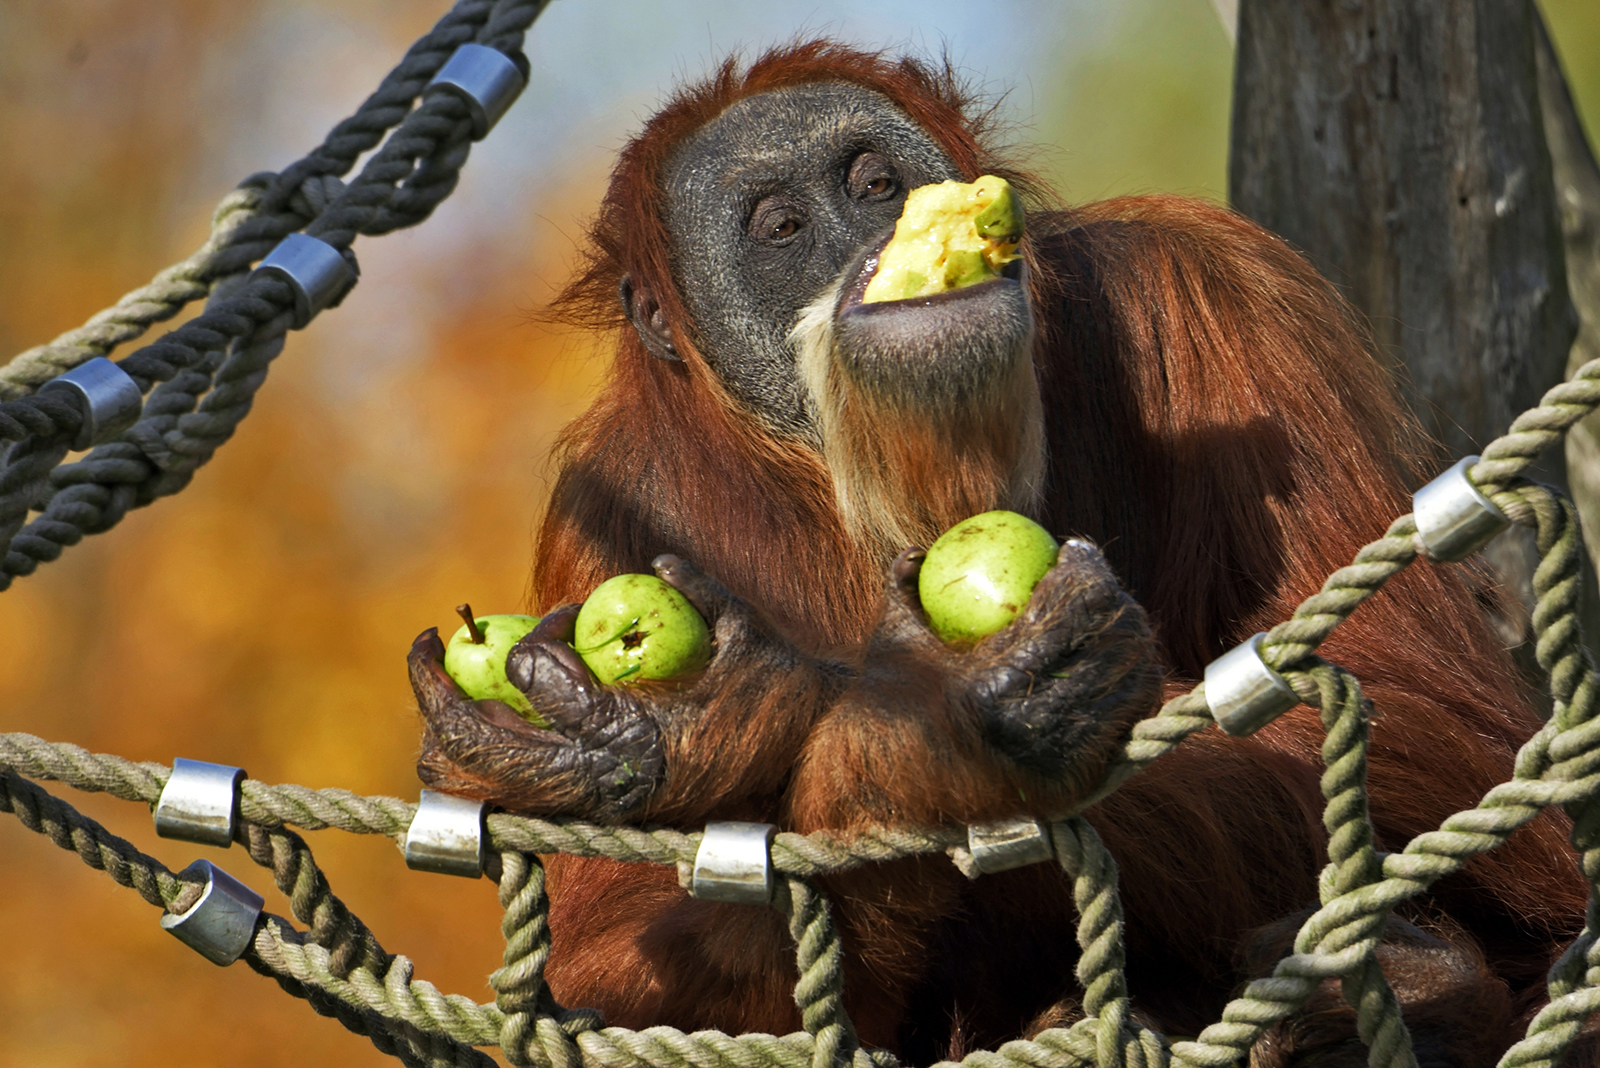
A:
[200,803]
[1006,844]
[486,79]
[734,863]
[220,925]
[446,835]
[315,271]
[1454,520]
[110,400]
[1243,692]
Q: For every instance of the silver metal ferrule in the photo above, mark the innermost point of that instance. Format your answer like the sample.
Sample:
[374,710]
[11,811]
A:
[446,835]
[315,271]
[486,79]
[734,863]
[1243,692]
[200,803]
[220,925]
[1006,844]
[110,400]
[1454,520]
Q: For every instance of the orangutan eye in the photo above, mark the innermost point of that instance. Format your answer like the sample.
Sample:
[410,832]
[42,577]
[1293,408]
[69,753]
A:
[872,177]
[776,220]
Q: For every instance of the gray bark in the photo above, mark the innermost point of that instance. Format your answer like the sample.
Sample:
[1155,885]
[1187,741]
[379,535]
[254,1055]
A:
[1401,147]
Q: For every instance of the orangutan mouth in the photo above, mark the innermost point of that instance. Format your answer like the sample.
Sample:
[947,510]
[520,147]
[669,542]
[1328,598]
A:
[862,270]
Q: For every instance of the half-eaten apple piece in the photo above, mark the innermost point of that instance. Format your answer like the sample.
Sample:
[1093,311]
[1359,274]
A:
[950,235]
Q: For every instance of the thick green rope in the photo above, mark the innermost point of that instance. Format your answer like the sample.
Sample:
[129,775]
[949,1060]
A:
[1560,765]
[1322,952]
[45,814]
[267,805]
[39,811]
[341,970]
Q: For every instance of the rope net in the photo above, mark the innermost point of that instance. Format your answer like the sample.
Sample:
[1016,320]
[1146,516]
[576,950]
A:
[201,378]
[333,961]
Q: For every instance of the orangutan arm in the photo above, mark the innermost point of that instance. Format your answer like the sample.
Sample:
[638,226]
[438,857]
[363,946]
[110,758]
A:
[1025,721]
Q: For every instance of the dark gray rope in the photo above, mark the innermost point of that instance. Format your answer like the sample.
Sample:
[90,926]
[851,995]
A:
[209,370]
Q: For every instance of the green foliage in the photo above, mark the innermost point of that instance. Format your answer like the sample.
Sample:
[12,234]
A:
[1143,110]
[1575,27]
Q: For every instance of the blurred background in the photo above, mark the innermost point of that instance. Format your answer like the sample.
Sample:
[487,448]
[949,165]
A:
[396,462]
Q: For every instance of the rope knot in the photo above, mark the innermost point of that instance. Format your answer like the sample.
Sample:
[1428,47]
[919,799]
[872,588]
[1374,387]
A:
[314,195]
[575,1022]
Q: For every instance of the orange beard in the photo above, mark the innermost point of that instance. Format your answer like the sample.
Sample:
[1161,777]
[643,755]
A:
[905,467]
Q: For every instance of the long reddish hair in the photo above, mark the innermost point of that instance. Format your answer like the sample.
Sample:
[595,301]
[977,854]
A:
[1215,420]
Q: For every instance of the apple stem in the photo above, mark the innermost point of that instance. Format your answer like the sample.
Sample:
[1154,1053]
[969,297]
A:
[465,612]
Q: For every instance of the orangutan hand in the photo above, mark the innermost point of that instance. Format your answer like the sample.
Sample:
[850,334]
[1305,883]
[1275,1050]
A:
[609,750]
[1061,684]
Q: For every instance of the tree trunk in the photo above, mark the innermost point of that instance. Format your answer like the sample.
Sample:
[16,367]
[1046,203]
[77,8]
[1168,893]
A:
[1401,147]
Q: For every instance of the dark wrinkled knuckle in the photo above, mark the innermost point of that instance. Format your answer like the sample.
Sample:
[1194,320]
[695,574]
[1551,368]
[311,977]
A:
[519,666]
[992,687]
[1080,552]
[557,625]
[548,676]
[627,767]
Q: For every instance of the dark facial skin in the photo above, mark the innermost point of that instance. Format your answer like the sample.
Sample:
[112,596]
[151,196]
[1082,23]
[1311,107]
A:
[767,205]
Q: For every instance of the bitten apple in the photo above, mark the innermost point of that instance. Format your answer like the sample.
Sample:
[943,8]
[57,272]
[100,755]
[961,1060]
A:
[636,627]
[949,236]
[476,658]
[980,573]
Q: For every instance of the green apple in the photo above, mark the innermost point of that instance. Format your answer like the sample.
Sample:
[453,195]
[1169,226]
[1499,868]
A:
[476,658]
[636,627]
[980,573]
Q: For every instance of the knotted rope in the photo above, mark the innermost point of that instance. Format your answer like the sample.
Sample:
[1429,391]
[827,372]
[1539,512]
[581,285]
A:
[339,967]
[206,373]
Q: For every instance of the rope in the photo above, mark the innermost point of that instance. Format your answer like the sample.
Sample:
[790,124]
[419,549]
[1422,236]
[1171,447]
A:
[819,993]
[342,970]
[162,298]
[339,966]
[207,372]
[298,193]
[269,806]
[295,873]
[97,847]
[519,985]
[1323,951]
